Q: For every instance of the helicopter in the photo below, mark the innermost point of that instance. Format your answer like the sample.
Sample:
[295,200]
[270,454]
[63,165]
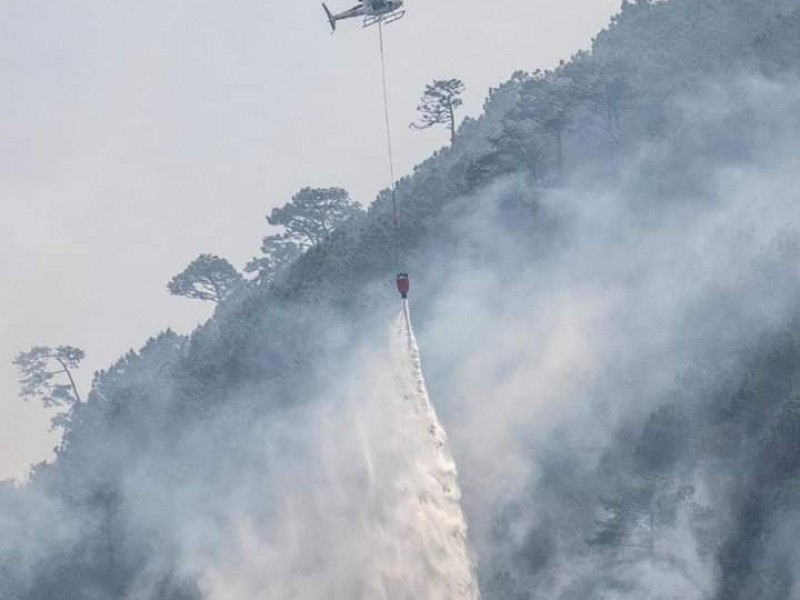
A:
[373,11]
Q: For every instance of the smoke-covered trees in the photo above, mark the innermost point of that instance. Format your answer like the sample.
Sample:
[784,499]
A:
[521,146]
[606,90]
[47,374]
[631,507]
[778,48]
[531,136]
[313,214]
[208,277]
[308,219]
[277,253]
[438,105]
[549,101]
[647,500]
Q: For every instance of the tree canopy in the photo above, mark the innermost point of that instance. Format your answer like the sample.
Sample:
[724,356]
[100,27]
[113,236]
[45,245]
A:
[313,214]
[277,253]
[438,105]
[308,220]
[46,373]
[605,496]
[207,277]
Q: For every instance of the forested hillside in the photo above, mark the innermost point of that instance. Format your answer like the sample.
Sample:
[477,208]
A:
[606,279]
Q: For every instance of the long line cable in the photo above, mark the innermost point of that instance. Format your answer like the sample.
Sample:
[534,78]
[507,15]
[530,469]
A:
[387,122]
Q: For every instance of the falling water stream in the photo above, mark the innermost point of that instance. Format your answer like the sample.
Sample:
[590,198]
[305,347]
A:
[368,508]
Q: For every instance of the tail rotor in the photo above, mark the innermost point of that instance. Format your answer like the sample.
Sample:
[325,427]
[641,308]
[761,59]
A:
[331,17]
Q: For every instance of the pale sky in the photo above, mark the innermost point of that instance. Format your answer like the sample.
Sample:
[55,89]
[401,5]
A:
[136,135]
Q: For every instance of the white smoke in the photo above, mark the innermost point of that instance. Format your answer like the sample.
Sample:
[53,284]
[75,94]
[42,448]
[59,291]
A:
[645,296]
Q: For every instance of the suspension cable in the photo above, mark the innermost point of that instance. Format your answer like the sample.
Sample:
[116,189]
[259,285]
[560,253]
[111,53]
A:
[389,147]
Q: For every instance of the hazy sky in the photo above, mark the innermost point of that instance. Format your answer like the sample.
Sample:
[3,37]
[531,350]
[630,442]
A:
[135,135]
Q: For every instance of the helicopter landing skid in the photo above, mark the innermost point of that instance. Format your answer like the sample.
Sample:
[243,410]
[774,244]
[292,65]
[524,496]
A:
[387,18]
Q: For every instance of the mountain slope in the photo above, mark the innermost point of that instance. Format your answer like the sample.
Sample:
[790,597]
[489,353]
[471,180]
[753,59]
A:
[604,264]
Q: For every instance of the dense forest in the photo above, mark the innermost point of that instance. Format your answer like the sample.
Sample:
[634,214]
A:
[606,273]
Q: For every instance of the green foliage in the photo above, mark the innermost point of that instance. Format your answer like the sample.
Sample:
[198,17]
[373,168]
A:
[549,101]
[46,373]
[278,252]
[312,215]
[207,277]
[606,89]
[309,219]
[438,105]
[502,586]
[664,440]
[780,444]
[777,49]
[646,498]
[154,402]
[520,146]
